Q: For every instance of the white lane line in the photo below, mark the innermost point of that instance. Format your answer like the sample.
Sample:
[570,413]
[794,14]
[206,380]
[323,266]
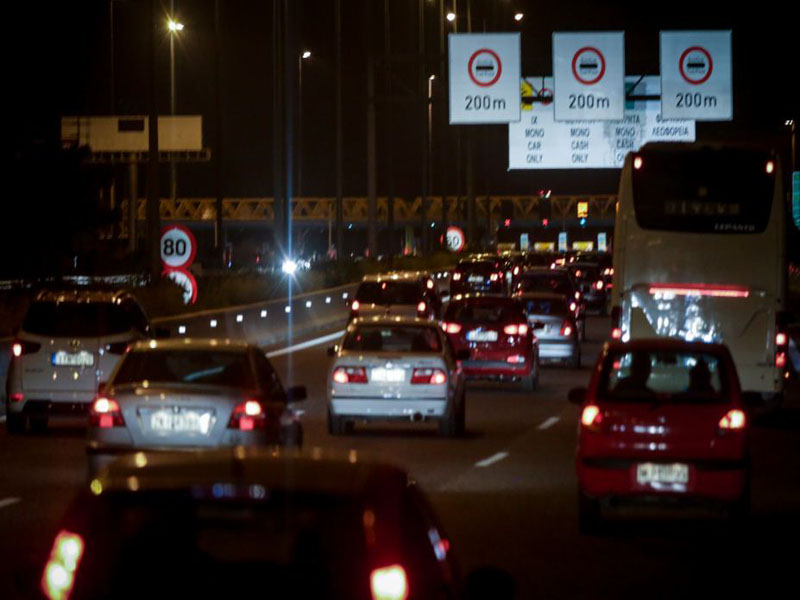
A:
[548,423]
[308,344]
[8,502]
[487,462]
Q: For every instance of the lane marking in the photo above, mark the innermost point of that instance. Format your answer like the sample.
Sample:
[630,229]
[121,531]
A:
[8,502]
[308,344]
[548,423]
[494,458]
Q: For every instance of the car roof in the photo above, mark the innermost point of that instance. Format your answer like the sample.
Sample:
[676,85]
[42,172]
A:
[86,295]
[391,320]
[401,276]
[315,470]
[663,343]
[193,344]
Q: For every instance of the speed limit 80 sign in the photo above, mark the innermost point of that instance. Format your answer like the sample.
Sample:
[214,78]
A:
[178,247]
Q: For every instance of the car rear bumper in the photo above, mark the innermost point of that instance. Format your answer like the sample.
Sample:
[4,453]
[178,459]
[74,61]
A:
[394,408]
[484,369]
[52,408]
[715,480]
[557,349]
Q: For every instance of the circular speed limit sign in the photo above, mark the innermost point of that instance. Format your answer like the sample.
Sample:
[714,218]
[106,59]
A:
[177,246]
[186,281]
[455,239]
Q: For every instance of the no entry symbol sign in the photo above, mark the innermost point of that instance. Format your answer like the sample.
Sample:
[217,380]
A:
[588,65]
[484,67]
[696,65]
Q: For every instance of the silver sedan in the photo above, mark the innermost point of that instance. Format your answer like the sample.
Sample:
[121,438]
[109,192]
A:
[395,368]
[191,394]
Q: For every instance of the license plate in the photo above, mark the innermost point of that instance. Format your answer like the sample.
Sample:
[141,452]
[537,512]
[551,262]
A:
[388,375]
[73,359]
[188,421]
[475,279]
[477,335]
[658,473]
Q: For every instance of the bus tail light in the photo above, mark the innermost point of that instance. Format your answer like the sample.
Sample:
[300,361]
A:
[700,289]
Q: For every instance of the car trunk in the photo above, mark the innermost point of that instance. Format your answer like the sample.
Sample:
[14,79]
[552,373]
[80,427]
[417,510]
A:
[389,375]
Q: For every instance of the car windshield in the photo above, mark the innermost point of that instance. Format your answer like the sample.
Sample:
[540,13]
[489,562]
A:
[390,338]
[484,312]
[545,306]
[77,319]
[389,292]
[201,367]
[674,376]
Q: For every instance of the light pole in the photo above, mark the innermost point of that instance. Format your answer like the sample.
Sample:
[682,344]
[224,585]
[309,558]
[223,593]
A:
[430,135]
[305,55]
[174,28]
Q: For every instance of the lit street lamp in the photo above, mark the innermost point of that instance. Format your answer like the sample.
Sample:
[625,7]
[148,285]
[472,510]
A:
[518,16]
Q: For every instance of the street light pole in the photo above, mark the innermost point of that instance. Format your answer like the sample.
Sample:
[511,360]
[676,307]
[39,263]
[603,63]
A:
[174,27]
[306,54]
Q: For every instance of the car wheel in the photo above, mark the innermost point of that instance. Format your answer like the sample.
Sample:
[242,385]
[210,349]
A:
[38,424]
[15,423]
[335,424]
[589,515]
[531,381]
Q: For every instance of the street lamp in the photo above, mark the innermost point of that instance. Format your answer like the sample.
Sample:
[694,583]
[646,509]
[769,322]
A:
[518,16]
[451,16]
[430,133]
[174,27]
[305,55]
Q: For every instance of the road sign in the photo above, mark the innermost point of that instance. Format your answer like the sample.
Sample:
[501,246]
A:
[540,142]
[484,77]
[562,241]
[602,242]
[588,69]
[185,280]
[696,75]
[455,239]
[524,242]
[178,247]
[583,210]
[583,246]
[544,246]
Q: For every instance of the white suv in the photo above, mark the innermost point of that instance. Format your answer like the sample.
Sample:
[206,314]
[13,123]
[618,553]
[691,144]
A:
[68,343]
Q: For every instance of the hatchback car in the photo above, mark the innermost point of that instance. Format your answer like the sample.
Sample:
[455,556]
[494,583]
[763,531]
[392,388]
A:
[555,327]
[479,275]
[244,523]
[401,293]
[69,341]
[662,420]
[395,369]
[494,332]
[191,394]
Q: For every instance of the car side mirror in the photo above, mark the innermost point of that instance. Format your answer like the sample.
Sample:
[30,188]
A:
[490,582]
[462,354]
[333,350]
[296,393]
[101,388]
[752,399]
[577,396]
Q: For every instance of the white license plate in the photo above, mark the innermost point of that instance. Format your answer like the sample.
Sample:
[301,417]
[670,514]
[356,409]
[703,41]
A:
[476,335]
[73,359]
[188,421]
[388,375]
[659,473]
[475,279]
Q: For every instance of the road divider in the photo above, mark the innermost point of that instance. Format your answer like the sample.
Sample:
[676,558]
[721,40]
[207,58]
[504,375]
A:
[308,344]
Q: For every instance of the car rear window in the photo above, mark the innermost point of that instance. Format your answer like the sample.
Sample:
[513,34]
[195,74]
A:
[228,369]
[77,319]
[549,306]
[664,375]
[389,292]
[484,312]
[545,282]
[483,267]
[386,338]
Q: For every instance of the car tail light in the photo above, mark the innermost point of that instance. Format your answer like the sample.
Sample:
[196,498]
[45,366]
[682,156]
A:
[350,375]
[616,318]
[577,295]
[428,376]
[598,285]
[573,306]
[247,416]
[117,347]
[451,327]
[355,305]
[58,578]
[516,271]
[422,307]
[733,419]
[18,397]
[566,328]
[515,359]
[780,360]
[521,329]
[591,417]
[389,583]
[429,284]
[780,339]
[19,348]
[456,276]
[616,333]
[105,413]
[493,277]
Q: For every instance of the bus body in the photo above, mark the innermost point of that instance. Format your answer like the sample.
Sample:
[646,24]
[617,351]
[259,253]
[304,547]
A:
[699,253]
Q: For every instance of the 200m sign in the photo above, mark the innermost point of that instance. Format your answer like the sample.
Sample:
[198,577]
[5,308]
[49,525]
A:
[178,247]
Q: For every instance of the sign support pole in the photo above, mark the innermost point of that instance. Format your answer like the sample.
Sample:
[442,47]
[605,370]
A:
[153,195]
[339,184]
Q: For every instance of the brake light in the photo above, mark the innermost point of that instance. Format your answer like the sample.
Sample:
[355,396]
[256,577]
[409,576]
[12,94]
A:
[105,413]
[451,327]
[733,419]
[429,284]
[637,163]
[516,270]
[389,583]
[16,349]
[700,289]
[573,306]
[350,375]
[19,348]
[493,277]
[428,376]
[616,333]
[58,578]
[780,359]
[18,397]
[421,307]
[566,328]
[355,306]
[520,329]
[577,295]
[516,359]
[247,416]
[598,284]
[456,276]
[591,417]
[780,339]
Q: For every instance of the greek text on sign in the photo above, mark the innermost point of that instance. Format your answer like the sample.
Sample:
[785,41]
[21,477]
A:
[540,142]
[178,247]
[484,75]
[588,72]
[696,75]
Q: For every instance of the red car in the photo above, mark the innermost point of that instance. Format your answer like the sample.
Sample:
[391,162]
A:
[662,420]
[496,332]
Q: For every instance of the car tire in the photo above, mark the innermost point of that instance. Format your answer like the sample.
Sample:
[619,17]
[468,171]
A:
[335,424]
[589,514]
[15,424]
[38,424]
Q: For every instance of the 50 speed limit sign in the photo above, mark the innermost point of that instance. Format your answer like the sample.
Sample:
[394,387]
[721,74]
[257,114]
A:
[177,246]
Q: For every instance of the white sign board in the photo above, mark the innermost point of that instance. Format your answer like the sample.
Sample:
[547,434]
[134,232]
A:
[696,75]
[484,77]
[562,241]
[588,72]
[131,133]
[524,242]
[178,247]
[538,141]
[602,243]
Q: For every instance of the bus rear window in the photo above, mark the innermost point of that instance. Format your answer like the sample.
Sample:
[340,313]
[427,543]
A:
[703,191]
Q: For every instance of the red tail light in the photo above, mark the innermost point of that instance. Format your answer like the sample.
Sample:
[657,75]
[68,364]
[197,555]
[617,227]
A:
[521,329]
[456,276]
[733,419]
[780,359]
[493,277]
[429,284]
[515,359]
[780,339]
[591,417]
[350,375]
[451,327]
[19,348]
[429,376]
[573,307]
[422,307]
[58,578]
[389,583]
[516,270]
[598,284]
[566,328]
[700,289]
[247,416]
[616,333]
[105,413]
[18,397]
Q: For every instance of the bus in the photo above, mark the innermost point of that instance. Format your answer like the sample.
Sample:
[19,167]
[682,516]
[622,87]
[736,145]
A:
[699,254]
